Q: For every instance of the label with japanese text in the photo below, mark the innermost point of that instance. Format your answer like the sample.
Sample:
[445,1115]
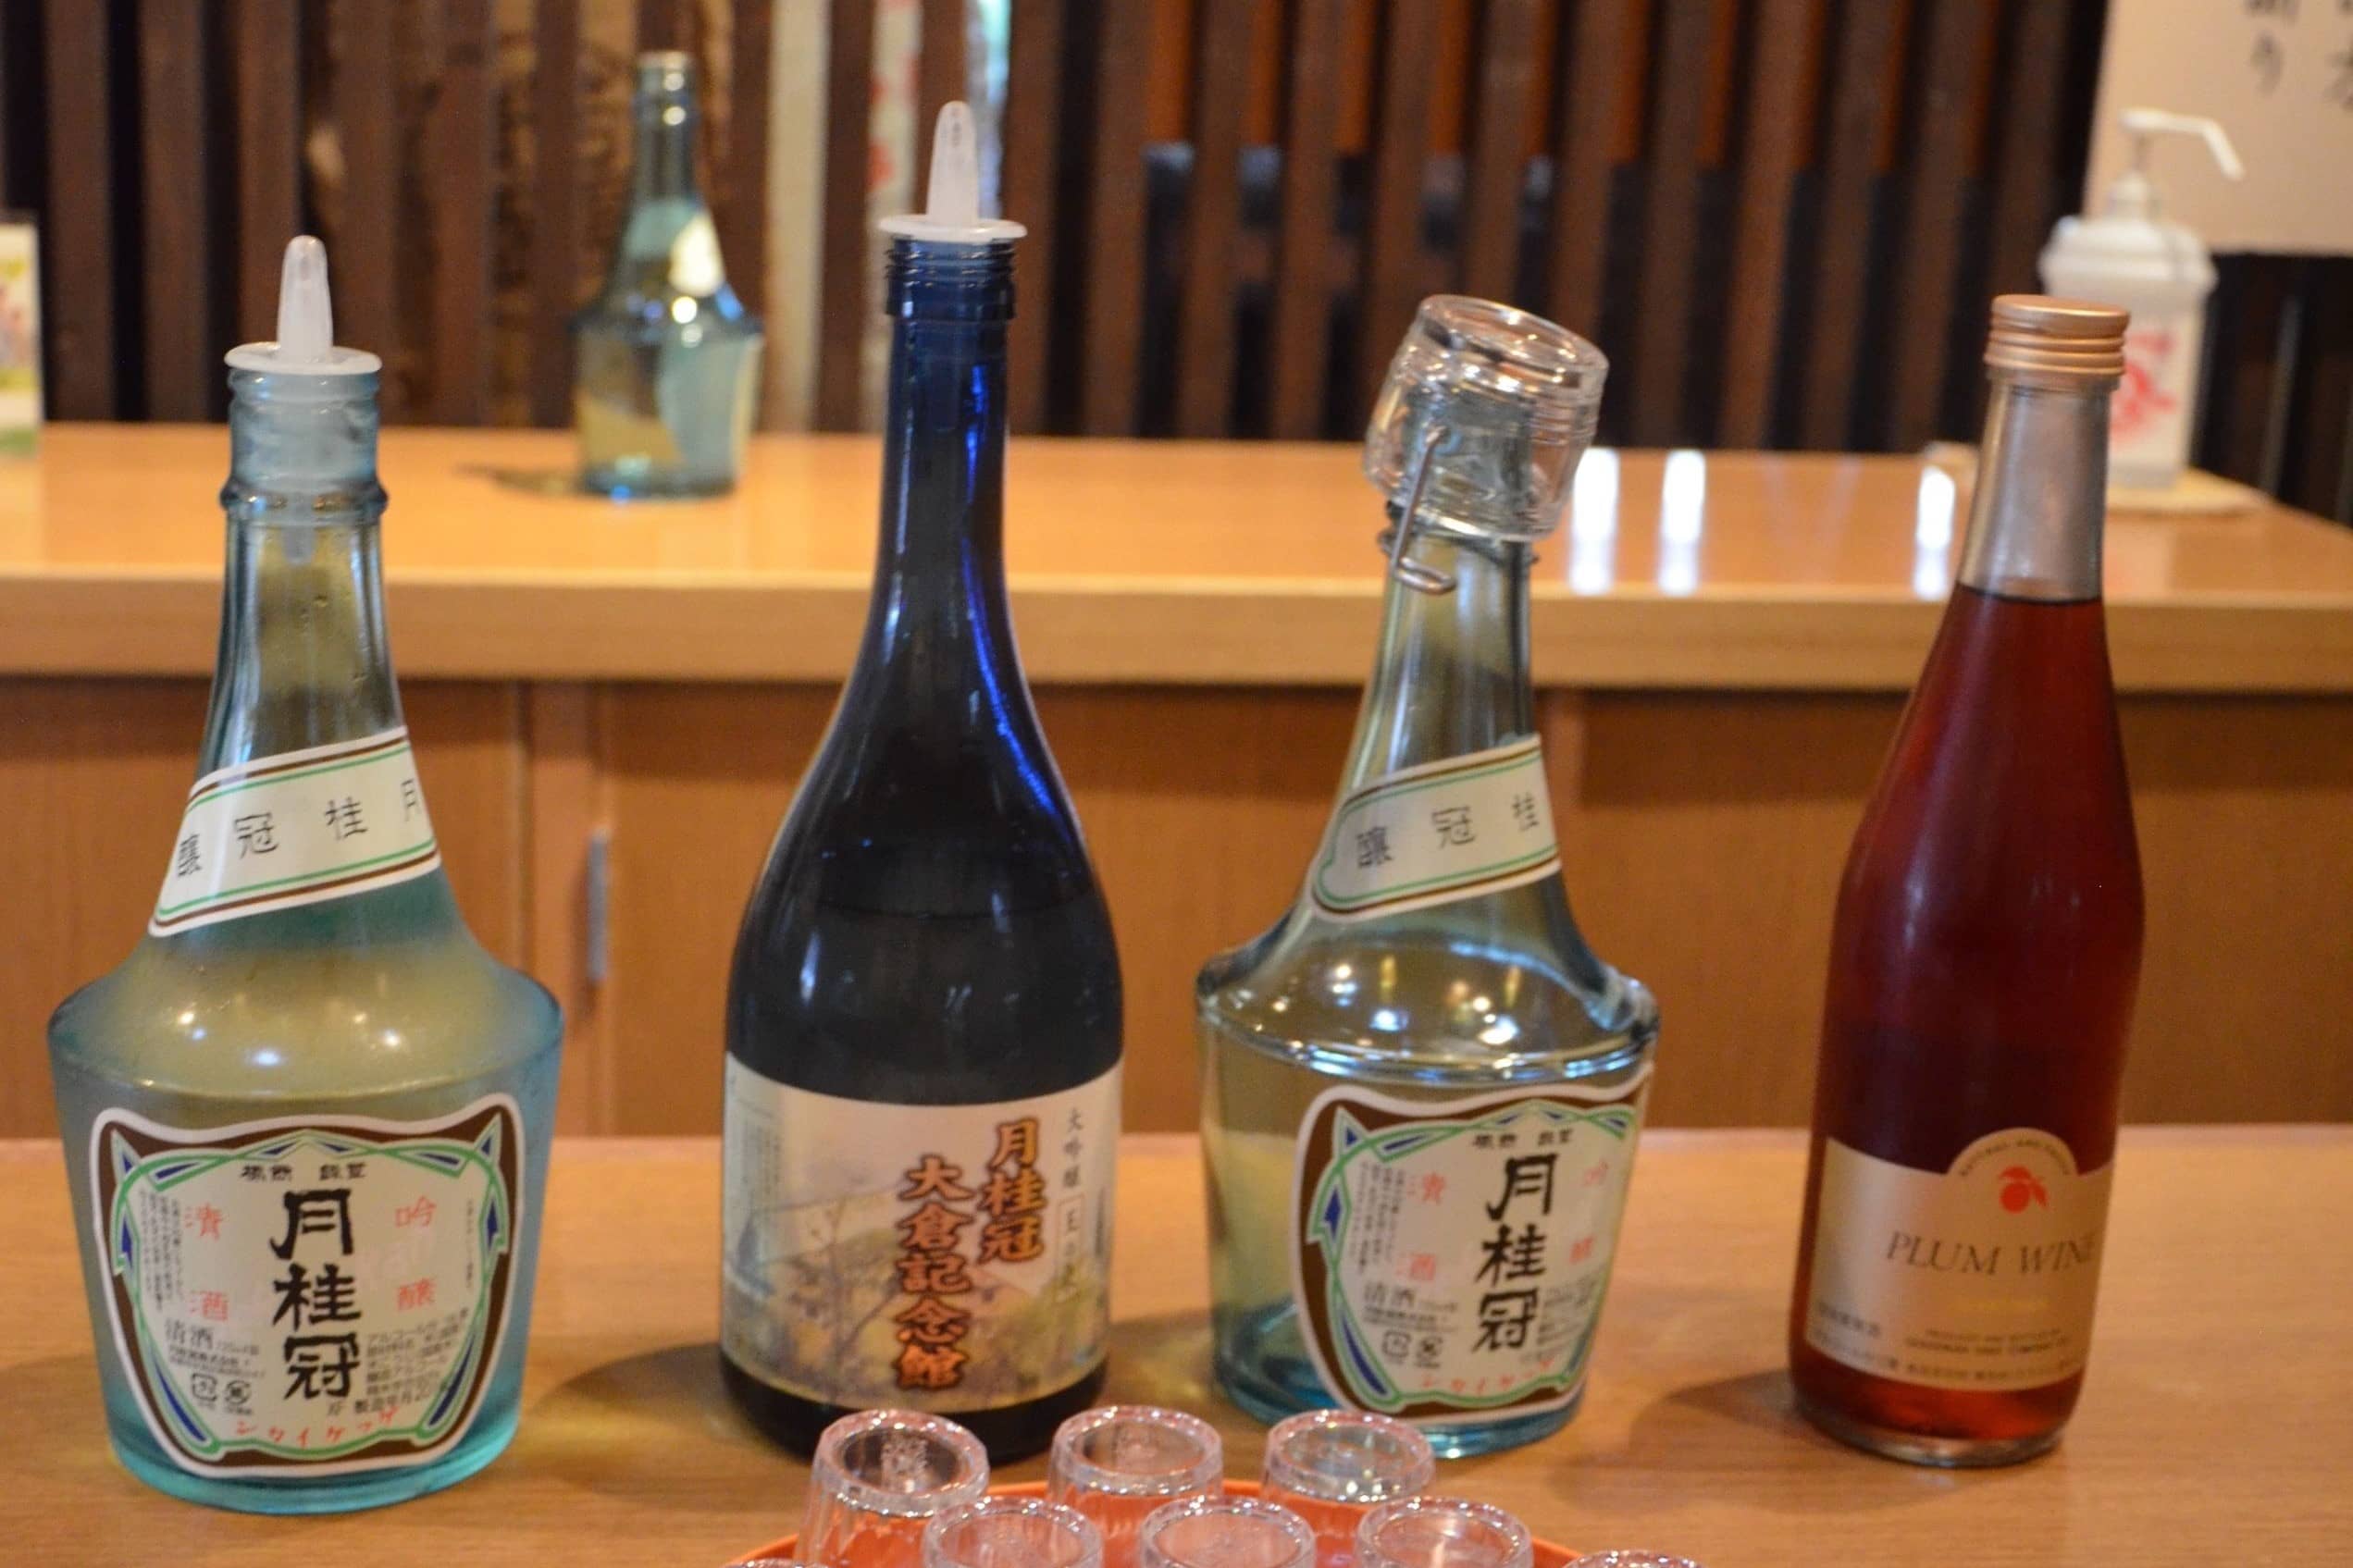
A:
[1981,1277]
[1450,1257]
[935,1257]
[329,1295]
[301,827]
[1437,832]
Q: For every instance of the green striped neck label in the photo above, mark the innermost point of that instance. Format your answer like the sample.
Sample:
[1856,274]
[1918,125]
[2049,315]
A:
[1429,835]
[299,827]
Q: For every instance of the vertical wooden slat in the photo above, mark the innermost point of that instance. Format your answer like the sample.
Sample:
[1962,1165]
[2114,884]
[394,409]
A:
[364,261]
[660,24]
[77,228]
[2243,395]
[1220,99]
[462,194]
[1671,221]
[939,73]
[177,244]
[1302,336]
[1400,154]
[1115,222]
[1033,158]
[850,73]
[265,44]
[1769,157]
[2322,480]
[1499,149]
[1581,166]
[555,205]
[1861,79]
[743,220]
[2027,195]
[1958,34]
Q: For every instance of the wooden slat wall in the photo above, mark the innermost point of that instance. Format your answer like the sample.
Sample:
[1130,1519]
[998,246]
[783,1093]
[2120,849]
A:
[1781,216]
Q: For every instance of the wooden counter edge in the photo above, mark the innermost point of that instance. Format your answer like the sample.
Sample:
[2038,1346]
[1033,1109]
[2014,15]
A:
[1096,632]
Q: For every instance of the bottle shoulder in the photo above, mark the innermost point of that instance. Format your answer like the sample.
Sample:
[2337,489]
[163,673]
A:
[294,1018]
[1496,993]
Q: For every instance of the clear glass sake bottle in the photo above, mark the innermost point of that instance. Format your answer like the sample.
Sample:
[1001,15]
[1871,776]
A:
[923,1021]
[667,366]
[1421,1089]
[306,1119]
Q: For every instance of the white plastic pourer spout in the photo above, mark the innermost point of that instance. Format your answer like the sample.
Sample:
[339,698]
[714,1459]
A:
[952,206]
[305,344]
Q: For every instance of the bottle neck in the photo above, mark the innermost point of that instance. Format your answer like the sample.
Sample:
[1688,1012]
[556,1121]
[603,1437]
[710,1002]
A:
[664,170]
[939,611]
[2041,495]
[1451,675]
[303,660]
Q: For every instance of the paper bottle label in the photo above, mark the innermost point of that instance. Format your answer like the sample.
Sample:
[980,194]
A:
[1450,1257]
[323,1295]
[1442,830]
[1982,1277]
[298,827]
[935,1257]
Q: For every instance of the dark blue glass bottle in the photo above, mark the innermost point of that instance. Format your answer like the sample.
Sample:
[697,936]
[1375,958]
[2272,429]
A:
[923,1019]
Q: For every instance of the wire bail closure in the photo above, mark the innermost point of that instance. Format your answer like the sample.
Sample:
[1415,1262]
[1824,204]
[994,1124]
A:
[1401,565]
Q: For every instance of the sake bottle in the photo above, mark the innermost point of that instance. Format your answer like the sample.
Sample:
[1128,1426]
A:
[306,1119]
[923,1021]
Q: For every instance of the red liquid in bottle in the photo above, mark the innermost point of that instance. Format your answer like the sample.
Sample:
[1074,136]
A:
[1984,960]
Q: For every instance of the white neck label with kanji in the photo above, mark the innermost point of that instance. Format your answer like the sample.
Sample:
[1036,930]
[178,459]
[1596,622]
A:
[1431,835]
[297,828]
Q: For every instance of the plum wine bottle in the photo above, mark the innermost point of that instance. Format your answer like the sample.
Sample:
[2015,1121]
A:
[307,1117]
[923,1022]
[1982,967]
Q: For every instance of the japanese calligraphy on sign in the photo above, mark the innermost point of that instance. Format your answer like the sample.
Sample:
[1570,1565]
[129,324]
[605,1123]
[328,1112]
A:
[937,1257]
[2278,76]
[329,1296]
[1450,1258]
[1457,829]
[303,826]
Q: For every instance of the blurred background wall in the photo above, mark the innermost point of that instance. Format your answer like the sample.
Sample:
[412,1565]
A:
[1781,217]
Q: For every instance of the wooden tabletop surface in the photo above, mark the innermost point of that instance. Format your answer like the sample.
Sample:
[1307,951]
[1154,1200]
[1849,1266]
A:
[1240,562]
[2216,1426]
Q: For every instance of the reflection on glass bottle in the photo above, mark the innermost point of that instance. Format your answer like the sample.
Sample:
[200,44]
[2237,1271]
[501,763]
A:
[307,1117]
[1421,1088]
[668,359]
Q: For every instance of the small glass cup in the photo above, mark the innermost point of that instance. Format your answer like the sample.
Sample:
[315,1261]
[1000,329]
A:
[1331,1466]
[878,1478]
[1225,1532]
[1011,1532]
[1441,1532]
[1118,1462]
[1631,1560]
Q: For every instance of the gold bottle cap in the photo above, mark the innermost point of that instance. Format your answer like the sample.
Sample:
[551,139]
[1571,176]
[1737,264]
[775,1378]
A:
[2066,345]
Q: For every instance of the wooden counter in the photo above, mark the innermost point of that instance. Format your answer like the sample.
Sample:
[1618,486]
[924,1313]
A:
[1161,562]
[2214,1427]
[621,697]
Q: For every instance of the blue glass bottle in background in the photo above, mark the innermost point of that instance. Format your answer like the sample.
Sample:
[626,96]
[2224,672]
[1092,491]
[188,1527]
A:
[923,1019]
[306,1119]
[667,360]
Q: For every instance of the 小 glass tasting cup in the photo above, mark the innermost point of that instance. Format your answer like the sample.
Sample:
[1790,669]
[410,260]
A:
[1011,1532]
[878,1478]
[1225,1532]
[1631,1560]
[1118,1462]
[1331,1466]
[1438,1532]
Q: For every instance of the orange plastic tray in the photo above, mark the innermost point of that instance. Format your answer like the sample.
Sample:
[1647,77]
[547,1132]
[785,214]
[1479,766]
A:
[1547,1555]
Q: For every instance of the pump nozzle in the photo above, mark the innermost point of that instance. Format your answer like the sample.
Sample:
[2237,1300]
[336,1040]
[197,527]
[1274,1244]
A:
[2133,194]
[952,206]
[305,344]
